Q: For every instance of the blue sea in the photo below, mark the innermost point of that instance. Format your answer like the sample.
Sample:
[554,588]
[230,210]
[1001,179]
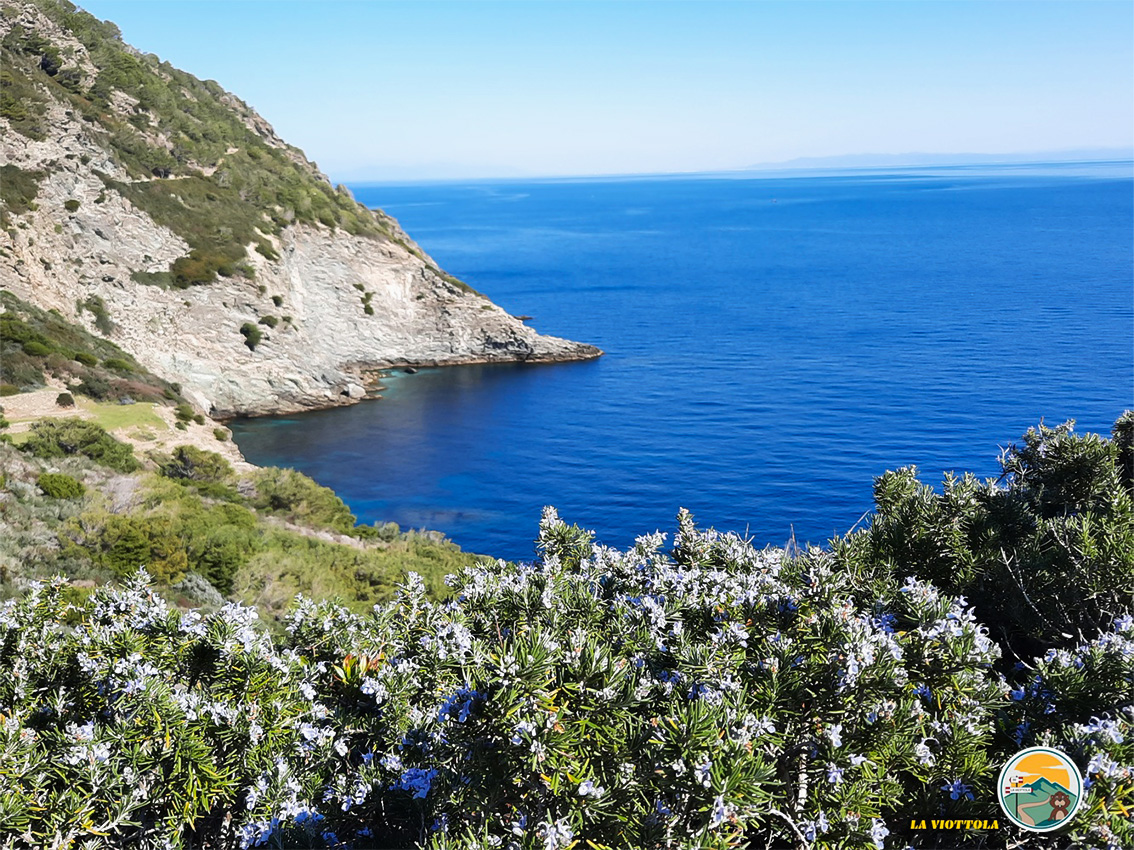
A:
[773,343]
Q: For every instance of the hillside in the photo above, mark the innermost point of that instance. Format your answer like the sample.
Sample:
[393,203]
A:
[109,468]
[225,260]
[77,502]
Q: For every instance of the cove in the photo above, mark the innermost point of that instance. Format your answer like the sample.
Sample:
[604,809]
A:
[772,344]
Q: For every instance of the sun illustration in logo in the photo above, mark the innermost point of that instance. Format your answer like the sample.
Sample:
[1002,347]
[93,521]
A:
[1040,789]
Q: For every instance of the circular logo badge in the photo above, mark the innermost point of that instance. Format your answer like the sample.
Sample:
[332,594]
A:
[1040,789]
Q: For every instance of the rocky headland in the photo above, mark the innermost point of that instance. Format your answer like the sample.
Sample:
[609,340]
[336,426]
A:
[164,214]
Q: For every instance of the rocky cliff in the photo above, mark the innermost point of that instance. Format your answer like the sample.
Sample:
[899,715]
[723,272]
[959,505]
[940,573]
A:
[225,260]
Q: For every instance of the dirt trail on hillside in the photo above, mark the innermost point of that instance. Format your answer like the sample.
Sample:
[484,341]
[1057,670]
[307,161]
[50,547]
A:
[23,409]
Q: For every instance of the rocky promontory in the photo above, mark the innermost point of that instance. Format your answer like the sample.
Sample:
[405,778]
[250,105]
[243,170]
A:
[163,213]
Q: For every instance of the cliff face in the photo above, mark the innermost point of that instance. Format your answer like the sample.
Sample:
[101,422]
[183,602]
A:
[225,260]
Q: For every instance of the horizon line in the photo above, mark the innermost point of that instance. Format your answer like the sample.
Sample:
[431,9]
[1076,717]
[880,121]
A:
[779,169]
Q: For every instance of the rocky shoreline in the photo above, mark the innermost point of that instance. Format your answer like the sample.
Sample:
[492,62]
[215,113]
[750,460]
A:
[363,381]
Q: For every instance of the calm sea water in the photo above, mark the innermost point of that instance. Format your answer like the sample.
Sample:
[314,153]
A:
[772,345]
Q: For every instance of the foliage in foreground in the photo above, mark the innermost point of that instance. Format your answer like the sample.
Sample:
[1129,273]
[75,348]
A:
[1046,560]
[704,695]
[57,438]
[199,528]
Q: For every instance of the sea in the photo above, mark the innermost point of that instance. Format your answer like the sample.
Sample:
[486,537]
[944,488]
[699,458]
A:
[774,341]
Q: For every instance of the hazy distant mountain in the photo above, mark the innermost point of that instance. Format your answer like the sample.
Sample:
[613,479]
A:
[899,160]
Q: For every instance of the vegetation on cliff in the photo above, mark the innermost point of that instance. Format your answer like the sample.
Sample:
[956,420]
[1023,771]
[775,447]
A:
[192,156]
[123,170]
[18,189]
[697,694]
[36,343]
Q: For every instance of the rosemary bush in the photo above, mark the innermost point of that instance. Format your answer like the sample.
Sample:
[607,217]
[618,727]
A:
[693,692]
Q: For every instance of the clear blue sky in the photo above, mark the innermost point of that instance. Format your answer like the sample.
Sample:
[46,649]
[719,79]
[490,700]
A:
[447,89]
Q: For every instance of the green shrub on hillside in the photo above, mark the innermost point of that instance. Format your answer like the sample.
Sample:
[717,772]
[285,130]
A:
[97,308]
[14,332]
[52,438]
[298,498]
[93,386]
[18,189]
[219,540]
[251,334]
[59,486]
[1048,550]
[193,464]
[290,563]
[124,544]
[21,370]
[208,472]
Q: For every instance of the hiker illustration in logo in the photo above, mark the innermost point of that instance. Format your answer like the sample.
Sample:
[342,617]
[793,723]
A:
[1040,789]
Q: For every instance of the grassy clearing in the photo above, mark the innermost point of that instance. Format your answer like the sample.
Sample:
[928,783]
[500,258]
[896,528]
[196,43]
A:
[117,417]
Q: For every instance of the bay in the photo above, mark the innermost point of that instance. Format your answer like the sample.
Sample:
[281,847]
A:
[773,343]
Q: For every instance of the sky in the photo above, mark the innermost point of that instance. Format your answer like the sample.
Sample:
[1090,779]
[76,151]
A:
[420,90]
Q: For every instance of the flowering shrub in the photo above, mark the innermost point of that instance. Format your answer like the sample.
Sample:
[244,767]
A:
[130,721]
[721,696]
[1046,554]
[700,694]
[1081,701]
[59,486]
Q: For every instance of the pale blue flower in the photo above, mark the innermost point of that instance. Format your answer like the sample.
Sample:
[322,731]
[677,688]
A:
[587,788]
[835,734]
[878,833]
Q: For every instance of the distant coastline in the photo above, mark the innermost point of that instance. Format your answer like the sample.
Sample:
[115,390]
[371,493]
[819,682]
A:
[920,159]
